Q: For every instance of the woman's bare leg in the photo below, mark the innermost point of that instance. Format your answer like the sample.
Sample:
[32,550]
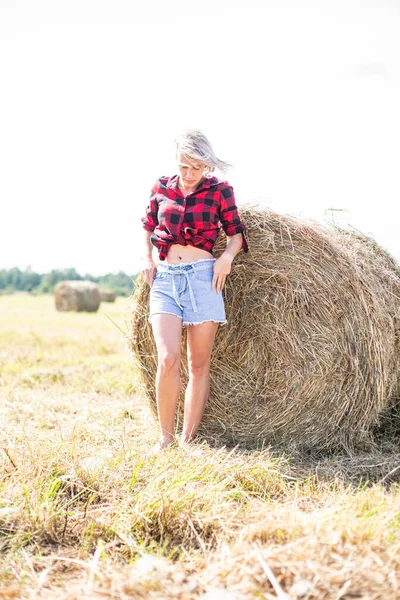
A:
[200,340]
[167,330]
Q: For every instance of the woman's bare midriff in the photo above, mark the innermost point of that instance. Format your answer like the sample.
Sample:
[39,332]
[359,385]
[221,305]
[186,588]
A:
[184,254]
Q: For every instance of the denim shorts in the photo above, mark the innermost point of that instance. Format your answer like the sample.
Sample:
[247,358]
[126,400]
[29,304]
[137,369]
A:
[185,290]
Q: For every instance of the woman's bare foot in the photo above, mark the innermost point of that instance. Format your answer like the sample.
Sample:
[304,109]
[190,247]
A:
[162,445]
[185,439]
[188,445]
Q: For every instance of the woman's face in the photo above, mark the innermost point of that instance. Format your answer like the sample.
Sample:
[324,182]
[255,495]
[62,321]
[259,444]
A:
[191,171]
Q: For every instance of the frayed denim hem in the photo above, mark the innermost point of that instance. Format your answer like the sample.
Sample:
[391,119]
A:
[185,324]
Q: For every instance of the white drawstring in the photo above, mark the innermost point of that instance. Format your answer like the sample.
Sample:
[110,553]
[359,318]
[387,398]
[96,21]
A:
[185,273]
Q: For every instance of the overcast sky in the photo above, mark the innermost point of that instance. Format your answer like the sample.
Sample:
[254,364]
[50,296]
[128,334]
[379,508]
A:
[302,97]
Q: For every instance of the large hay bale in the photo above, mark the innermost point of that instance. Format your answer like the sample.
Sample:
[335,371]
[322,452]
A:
[310,354]
[107,295]
[77,296]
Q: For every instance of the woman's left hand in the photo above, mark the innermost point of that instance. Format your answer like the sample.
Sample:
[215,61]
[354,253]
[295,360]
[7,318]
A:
[222,268]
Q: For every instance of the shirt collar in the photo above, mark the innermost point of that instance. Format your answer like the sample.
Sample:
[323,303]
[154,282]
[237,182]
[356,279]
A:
[205,184]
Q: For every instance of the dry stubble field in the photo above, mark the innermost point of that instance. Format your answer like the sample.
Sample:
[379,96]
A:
[87,512]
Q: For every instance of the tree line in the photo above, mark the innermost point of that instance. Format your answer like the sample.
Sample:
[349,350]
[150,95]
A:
[13,280]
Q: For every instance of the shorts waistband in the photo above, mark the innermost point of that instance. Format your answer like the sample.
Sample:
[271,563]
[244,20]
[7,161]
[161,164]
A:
[204,263]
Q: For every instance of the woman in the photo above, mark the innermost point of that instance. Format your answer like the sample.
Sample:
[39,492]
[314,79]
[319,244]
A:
[183,221]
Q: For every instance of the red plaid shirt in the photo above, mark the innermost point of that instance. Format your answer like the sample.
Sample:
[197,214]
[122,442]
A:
[193,220]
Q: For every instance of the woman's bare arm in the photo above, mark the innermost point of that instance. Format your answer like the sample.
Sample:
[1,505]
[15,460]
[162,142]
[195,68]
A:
[149,267]
[223,265]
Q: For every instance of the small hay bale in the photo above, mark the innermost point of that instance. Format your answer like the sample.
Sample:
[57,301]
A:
[107,295]
[77,296]
[310,355]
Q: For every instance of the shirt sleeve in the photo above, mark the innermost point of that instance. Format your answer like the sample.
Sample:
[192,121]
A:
[229,216]
[150,220]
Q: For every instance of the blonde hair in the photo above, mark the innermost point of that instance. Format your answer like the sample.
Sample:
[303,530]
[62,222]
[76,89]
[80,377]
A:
[194,144]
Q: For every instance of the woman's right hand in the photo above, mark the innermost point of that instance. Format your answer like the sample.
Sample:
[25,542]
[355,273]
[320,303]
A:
[149,269]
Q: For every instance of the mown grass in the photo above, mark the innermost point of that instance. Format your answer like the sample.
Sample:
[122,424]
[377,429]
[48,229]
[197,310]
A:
[87,512]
